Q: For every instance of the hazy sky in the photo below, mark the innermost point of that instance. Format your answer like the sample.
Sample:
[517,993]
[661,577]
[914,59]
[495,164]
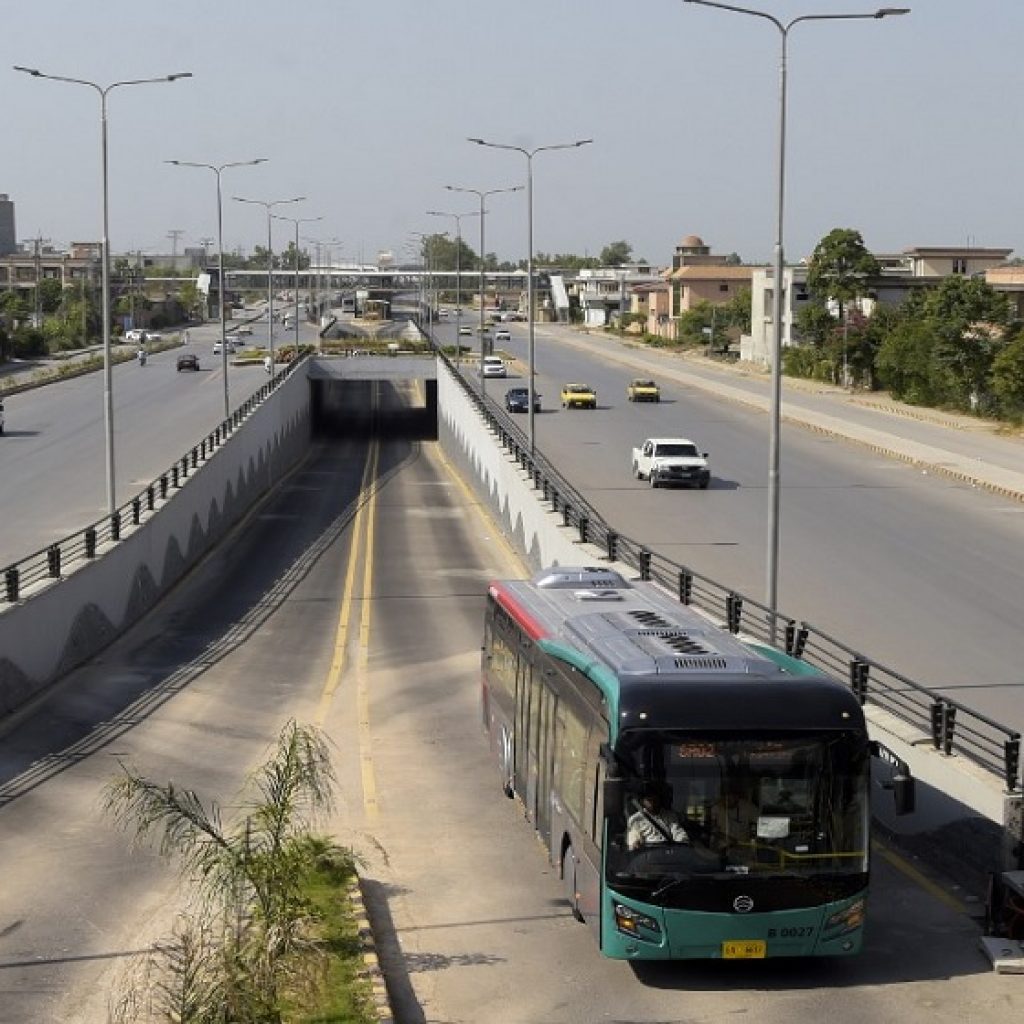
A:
[907,129]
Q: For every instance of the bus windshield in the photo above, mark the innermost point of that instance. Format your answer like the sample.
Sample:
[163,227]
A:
[704,807]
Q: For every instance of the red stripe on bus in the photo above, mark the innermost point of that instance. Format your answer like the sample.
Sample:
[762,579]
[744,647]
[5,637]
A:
[533,629]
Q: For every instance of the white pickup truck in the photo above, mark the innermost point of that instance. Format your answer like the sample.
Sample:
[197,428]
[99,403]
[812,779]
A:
[670,462]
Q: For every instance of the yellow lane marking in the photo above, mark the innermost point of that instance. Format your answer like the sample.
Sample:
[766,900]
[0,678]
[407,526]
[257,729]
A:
[919,879]
[345,615]
[362,668]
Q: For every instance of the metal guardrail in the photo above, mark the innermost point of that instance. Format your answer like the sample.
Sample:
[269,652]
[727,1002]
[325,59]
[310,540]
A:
[22,578]
[953,727]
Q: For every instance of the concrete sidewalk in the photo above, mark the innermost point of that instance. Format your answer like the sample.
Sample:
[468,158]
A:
[963,448]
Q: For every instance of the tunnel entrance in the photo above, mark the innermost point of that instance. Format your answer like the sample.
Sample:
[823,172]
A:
[374,408]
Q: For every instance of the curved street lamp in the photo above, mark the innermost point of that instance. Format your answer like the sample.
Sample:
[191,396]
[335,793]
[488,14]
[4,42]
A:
[268,206]
[482,195]
[774,487]
[530,154]
[457,217]
[218,169]
[108,374]
[297,221]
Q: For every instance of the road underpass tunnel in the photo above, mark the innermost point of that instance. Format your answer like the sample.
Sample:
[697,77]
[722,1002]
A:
[375,408]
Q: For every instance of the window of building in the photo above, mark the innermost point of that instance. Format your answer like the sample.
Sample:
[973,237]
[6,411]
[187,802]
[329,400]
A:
[723,287]
[959,265]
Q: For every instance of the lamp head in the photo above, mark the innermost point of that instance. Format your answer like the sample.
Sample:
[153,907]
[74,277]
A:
[180,74]
[34,72]
[885,12]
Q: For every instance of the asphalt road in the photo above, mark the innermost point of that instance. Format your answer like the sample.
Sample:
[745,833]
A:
[469,918]
[53,451]
[922,573]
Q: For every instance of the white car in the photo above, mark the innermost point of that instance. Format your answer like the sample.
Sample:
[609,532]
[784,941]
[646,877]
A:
[152,336]
[135,335]
[502,336]
[494,366]
[244,331]
[466,330]
[217,350]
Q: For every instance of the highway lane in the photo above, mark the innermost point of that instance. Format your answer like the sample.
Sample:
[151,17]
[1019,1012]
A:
[470,918]
[922,573]
[52,454]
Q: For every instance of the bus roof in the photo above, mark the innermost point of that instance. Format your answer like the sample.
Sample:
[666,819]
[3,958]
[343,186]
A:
[663,653]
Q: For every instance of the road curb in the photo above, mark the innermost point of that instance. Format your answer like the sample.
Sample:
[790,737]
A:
[371,970]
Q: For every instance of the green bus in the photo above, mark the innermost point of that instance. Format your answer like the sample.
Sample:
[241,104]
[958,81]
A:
[703,797]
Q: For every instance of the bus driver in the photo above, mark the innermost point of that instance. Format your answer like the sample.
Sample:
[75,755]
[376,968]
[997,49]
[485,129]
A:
[653,823]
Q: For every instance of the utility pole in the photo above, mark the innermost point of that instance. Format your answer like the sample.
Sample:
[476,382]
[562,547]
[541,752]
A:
[174,234]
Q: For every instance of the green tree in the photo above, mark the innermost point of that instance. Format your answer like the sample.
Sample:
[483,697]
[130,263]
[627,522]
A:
[1008,378]
[288,258]
[904,361]
[251,941]
[616,254]
[969,320]
[443,253]
[51,295]
[840,268]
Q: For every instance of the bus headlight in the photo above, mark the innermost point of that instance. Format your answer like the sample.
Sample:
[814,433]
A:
[630,921]
[847,920]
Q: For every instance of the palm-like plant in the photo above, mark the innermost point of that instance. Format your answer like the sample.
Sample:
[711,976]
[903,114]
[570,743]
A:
[251,939]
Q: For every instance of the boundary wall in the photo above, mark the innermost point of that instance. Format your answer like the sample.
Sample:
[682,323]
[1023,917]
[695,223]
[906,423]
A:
[60,623]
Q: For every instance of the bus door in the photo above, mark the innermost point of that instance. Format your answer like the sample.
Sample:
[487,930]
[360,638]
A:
[545,719]
[524,675]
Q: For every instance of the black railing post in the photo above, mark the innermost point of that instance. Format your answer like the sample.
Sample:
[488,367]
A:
[53,560]
[1011,761]
[936,723]
[150,498]
[115,525]
[163,486]
[948,727]
[136,511]
[174,476]
[613,545]
[584,529]
[645,564]
[184,467]
[11,581]
[733,612]
[685,586]
[195,457]
[859,670]
[90,542]
[566,508]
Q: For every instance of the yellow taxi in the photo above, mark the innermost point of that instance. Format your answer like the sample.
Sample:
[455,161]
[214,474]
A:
[642,389]
[578,396]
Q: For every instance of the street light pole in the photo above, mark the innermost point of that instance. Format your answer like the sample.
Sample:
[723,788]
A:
[774,445]
[457,217]
[268,206]
[297,221]
[530,154]
[108,370]
[482,195]
[218,169]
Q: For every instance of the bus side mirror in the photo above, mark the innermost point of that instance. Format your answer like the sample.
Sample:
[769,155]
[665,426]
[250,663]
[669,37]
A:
[614,797]
[904,793]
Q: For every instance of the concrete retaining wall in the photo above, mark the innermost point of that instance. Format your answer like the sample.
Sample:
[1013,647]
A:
[60,624]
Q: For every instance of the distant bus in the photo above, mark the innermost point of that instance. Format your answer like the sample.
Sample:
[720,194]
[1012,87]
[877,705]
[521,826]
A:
[598,692]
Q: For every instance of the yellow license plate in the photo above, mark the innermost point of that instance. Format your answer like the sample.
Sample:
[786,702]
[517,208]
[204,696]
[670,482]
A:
[744,949]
